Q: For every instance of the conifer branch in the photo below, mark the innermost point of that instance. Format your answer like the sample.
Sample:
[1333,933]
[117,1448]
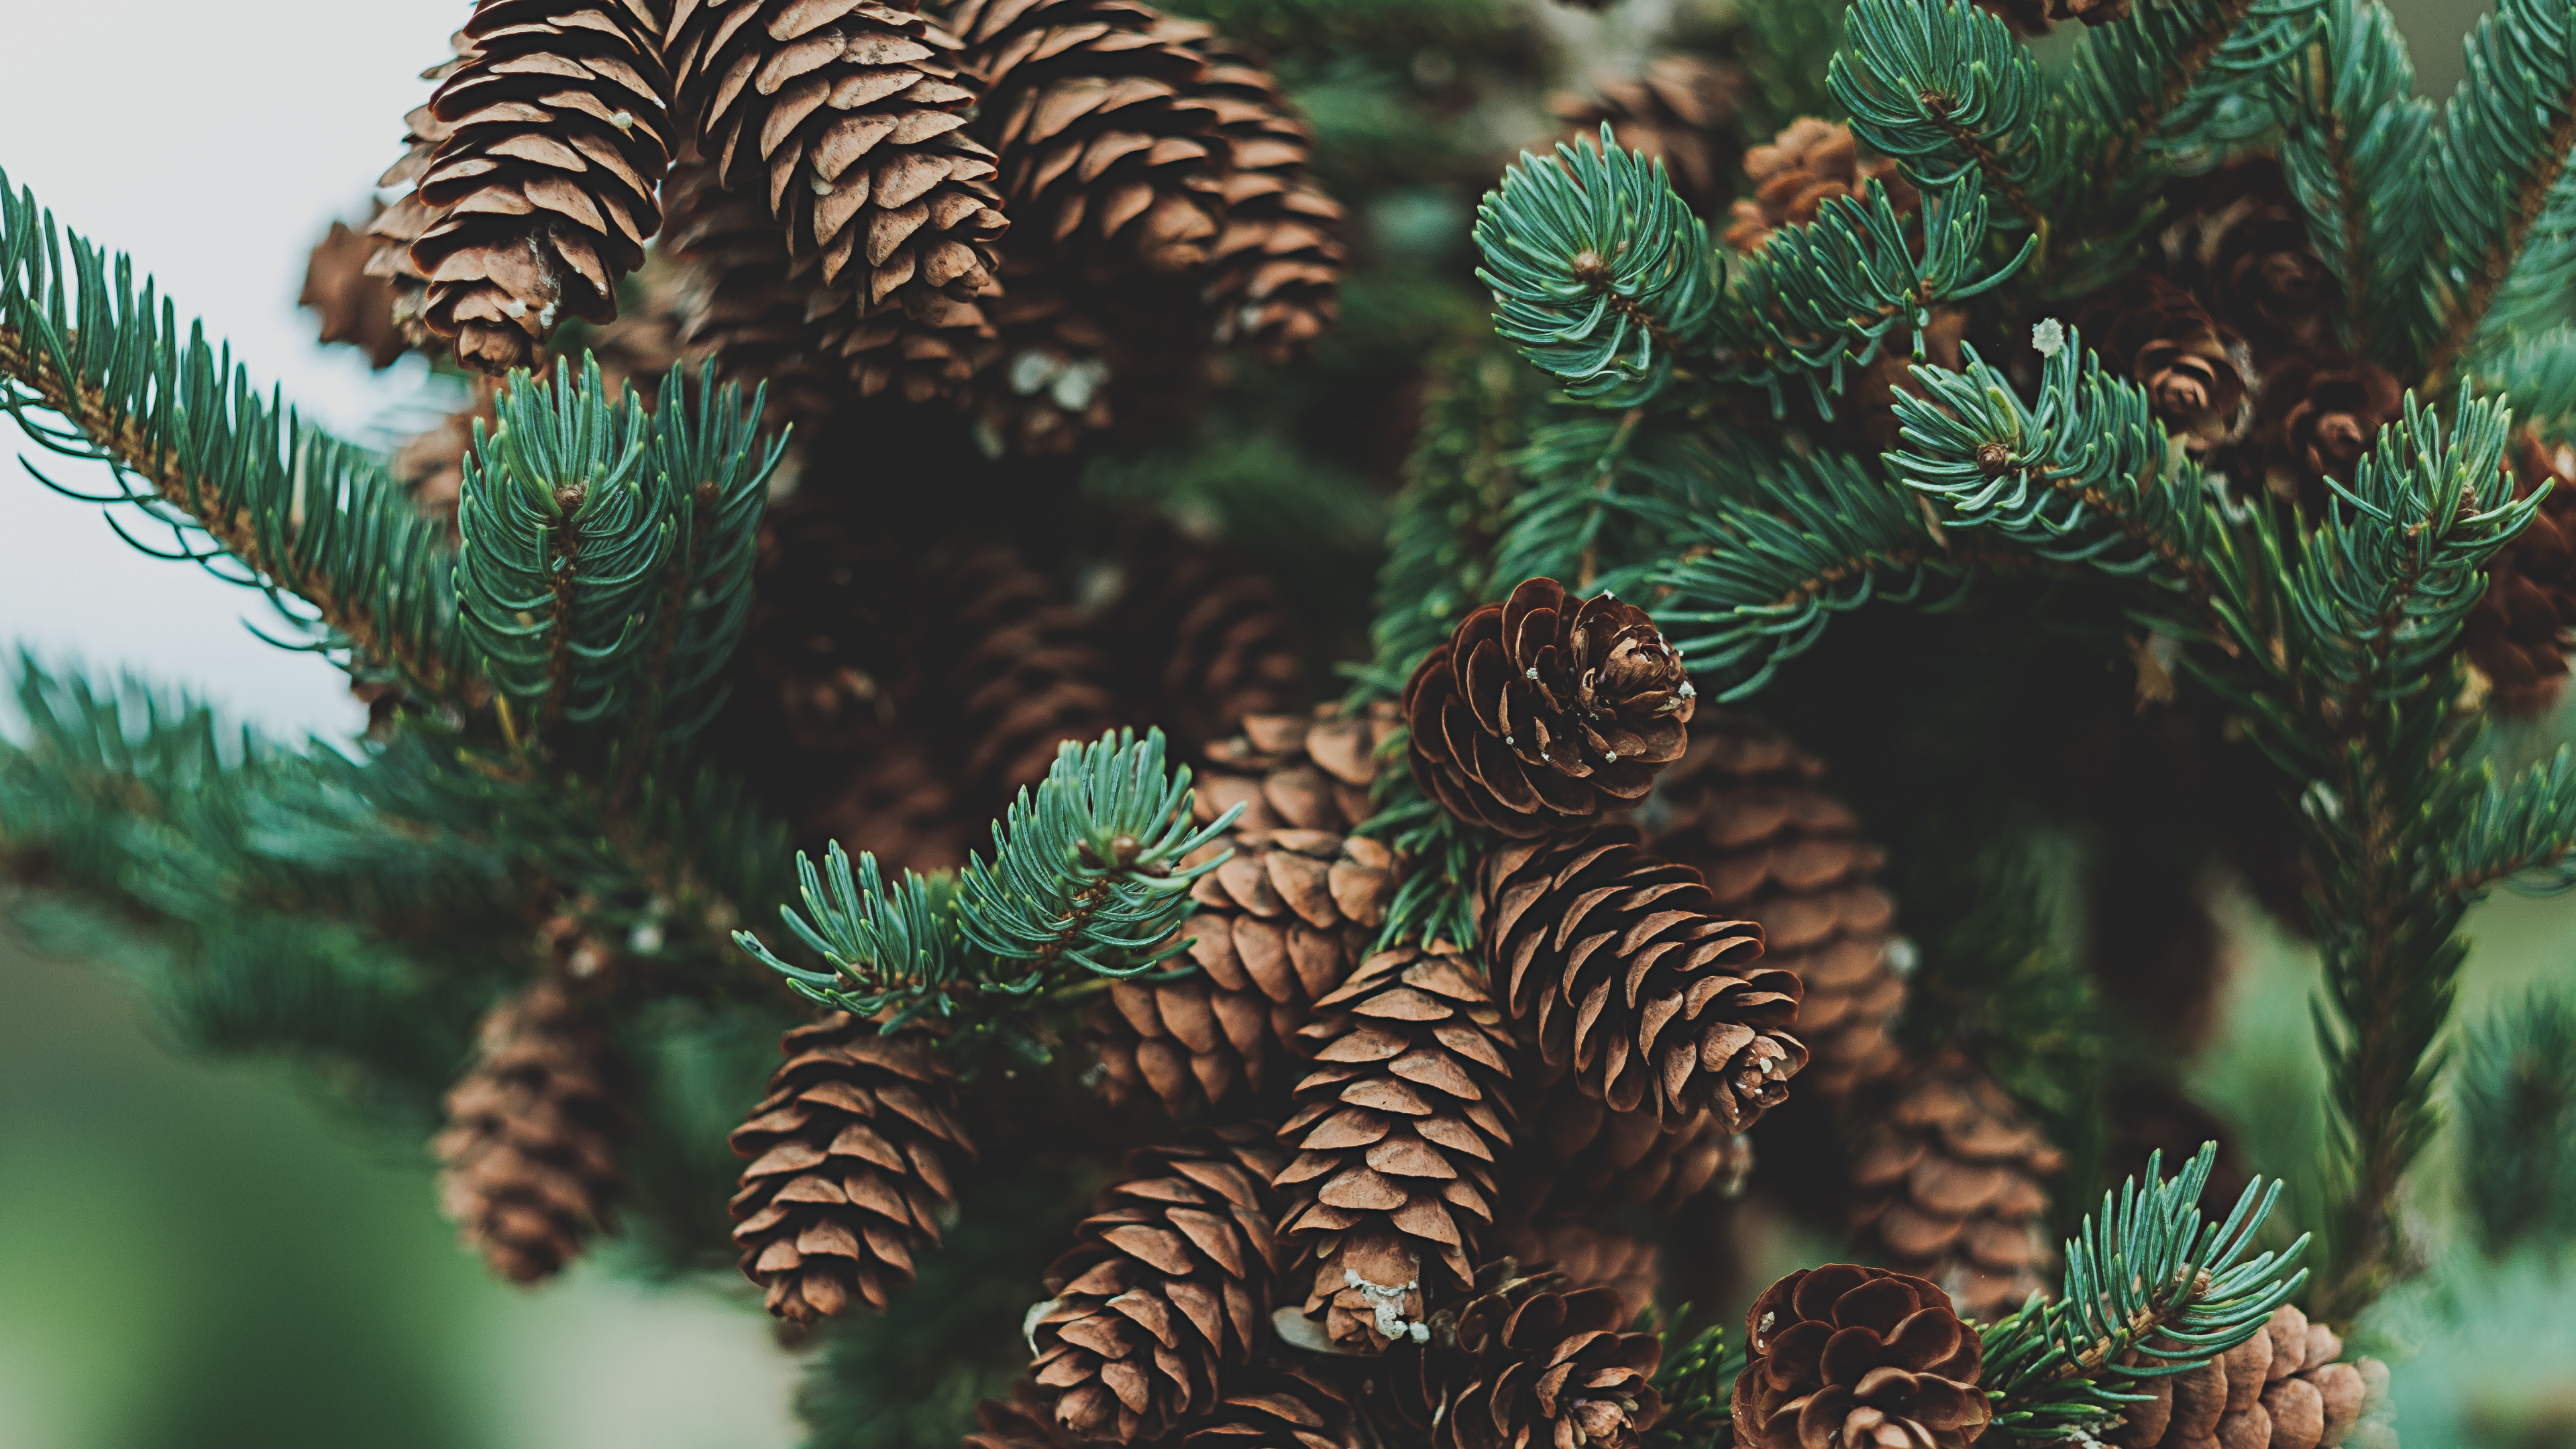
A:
[234,476]
[1945,90]
[2520,832]
[2354,156]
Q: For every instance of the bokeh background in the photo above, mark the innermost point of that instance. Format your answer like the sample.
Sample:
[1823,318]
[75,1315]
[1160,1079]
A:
[199,1255]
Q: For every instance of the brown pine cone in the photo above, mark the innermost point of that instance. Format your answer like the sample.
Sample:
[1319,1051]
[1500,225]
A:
[1588,1256]
[1017,676]
[1527,1363]
[354,307]
[2157,335]
[1025,1421]
[1743,806]
[529,1150]
[1198,639]
[1623,970]
[735,301]
[895,805]
[1949,1187]
[1299,772]
[1397,1131]
[407,218]
[848,1170]
[547,180]
[1110,151]
[2517,630]
[1169,1287]
[1276,270]
[2280,1389]
[1680,112]
[2318,414]
[851,123]
[1805,166]
[1540,713]
[431,465]
[1852,1356]
[2239,239]
[1279,1408]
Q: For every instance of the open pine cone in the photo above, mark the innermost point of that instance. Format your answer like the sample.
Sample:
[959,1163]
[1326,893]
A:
[1397,1130]
[848,1170]
[851,123]
[1949,1182]
[1580,1155]
[2239,239]
[2159,336]
[1860,1358]
[1168,1288]
[1680,112]
[1618,965]
[1805,166]
[1279,1408]
[1541,712]
[1276,268]
[1527,1363]
[2280,1389]
[2517,631]
[529,1149]
[546,182]
[2318,414]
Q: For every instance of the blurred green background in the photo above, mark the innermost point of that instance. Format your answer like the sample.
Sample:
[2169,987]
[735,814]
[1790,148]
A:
[205,1254]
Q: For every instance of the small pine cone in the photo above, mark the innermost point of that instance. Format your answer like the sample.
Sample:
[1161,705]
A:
[735,302]
[547,181]
[1743,806]
[1623,970]
[1016,675]
[2157,335]
[2319,413]
[354,307]
[1900,1372]
[1110,152]
[1199,641]
[1279,1408]
[1529,1362]
[1276,274]
[1680,112]
[848,1171]
[529,1149]
[1169,1287]
[1805,166]
[1397,1131]
[1541,713]
[2517,630]
[1582,1154]
[1589,1257]
[1949,1187]
[850,121]
[2239,239]
[2280,1389]
[896,806]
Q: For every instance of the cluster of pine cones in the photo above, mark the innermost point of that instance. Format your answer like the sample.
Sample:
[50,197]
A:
[1026,206]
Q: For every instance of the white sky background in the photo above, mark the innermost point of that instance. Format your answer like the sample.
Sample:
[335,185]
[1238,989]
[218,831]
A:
[188,135]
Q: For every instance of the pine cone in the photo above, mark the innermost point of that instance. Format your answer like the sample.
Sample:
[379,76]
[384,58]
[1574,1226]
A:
[2239,240]
[851,122]
[354,307]
[2280,1389]
[1620,966]
[1589,1257]
[1527,1362]
[546,182]
[1169,1287]
[408,218]
[736,303]
[2319,413]
[1397,1130]
[1901,1372]
[1198,640]
[896,806]
[529,1150]
[848,1173]
[2516,631]
[1805,166]
[2159,336]
[1539,714]
[1276,269]
[1109,146]
[1680,112]
[1022,1422]
[1016,676]
[1052,388]
[431,465]
[1949,1184]
[1743,807]
[1279,1408]
[1279,925]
